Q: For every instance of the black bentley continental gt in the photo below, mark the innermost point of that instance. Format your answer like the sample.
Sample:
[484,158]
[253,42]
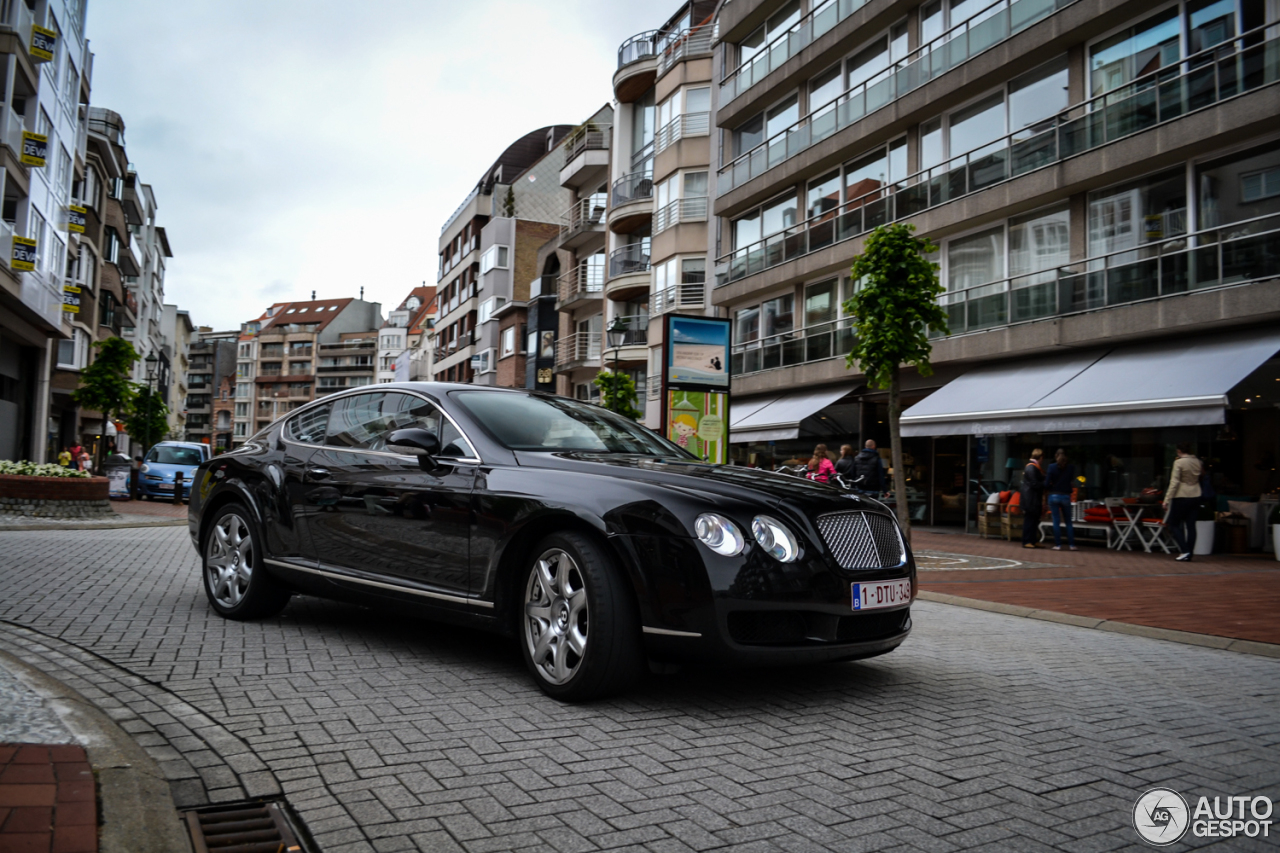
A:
[596,543]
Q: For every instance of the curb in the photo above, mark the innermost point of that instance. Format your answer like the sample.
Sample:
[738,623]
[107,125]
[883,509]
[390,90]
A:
[115,525]
[1248,647]
[138,814]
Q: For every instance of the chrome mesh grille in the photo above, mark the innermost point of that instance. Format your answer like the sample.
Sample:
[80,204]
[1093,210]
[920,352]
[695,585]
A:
[861,540]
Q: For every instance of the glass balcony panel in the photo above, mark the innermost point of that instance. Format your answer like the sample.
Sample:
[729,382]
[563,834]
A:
[879,93]
[1250,258]
[1028,154]
[1173,273]
[756,160]
[1172,99]
[875,213]
[797,140]
[777,151]
[1034,301]
[956,313]
[985,33]
[770,356]
[912,199]
[773,251]
[823,123]
[818,346]
[793,352]
[1023,13]
[1131,282]
[1201,85]
[826,17]
[822,234]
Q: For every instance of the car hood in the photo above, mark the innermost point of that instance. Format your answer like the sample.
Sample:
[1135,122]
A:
[696,478]
[167,470]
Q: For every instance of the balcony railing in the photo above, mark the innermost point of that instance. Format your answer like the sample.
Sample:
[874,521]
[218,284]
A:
[634,187]
[19,18]
[654,384]
[678,296]
[11,129]
[626,260]
[986,29]
[636,48]
[680,210]
[578,348]
[1149,101]
[637,330]
[585,214]
[690,124]
[591,137]
[586,279]
[816,343]
[680,46]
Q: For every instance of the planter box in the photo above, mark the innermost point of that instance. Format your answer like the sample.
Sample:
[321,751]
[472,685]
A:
[54,497]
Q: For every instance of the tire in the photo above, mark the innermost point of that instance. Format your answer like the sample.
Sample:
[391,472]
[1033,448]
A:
[578,628]
[235,582]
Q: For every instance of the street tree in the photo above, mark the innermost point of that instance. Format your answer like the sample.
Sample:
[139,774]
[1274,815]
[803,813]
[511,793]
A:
[895,307]
[105,385]
[148,418]
[617,393]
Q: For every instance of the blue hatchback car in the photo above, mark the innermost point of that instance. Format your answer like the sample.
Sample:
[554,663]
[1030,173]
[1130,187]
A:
[166,459]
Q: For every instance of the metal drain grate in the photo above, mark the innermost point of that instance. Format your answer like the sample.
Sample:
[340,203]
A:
[242,828]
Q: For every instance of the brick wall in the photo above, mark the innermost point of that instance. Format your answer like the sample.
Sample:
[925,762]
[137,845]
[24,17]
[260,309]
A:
[54,497]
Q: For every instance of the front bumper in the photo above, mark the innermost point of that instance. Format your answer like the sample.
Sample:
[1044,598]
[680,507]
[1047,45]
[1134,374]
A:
[153,489]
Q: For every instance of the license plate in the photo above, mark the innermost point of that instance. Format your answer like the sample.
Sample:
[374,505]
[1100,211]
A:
[165,487]
[878,594]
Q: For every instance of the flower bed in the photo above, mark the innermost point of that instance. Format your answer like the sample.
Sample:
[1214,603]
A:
[54,497]
[39,469]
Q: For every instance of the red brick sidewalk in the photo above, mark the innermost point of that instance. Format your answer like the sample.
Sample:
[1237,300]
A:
[159,509]
[48,802]
[1226,596]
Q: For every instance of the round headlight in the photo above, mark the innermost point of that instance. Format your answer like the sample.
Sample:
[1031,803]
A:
[145,468]
[775,538]
[719,534]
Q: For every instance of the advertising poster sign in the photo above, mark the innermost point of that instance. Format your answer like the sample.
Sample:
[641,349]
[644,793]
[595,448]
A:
[35,148]
[697,352]
[71,299]
[118,481]
[44,43]
[698,421]
[23,256]
[76,219]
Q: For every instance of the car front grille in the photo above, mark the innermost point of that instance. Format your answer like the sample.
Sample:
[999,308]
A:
[802,627]
[862,540]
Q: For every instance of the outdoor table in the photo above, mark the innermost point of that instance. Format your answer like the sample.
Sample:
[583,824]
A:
[1131,526]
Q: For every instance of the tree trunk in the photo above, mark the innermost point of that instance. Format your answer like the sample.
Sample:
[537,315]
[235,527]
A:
[895,444]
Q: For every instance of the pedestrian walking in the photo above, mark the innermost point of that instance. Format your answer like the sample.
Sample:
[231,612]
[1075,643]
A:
[64,458]
[820,467]
[1058,483]
[867,470]
[1031,497]
[1182,499]
[85,463]
[844,465]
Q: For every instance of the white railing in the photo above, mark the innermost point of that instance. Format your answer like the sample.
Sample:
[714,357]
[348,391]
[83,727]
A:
[680,210]
[586,279]
[585,213]
[20,19]
[655,387]
[683,45]
[581,347]
[678,296]
[691,124]
[11,131]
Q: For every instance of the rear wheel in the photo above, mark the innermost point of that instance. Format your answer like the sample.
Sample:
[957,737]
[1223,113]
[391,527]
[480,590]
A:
[234,580]
[578,629]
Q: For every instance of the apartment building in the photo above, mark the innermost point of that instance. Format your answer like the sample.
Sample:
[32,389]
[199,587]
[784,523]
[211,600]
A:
[393,337]
[178,333]
[42,142]
[521,185]
[1102,179]
[348,362]
[420,357]
[287,345]
[211,359]
[223,413]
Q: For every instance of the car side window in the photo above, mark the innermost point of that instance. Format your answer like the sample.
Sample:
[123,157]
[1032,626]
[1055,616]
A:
[364,421]
[452,443]
[308,427]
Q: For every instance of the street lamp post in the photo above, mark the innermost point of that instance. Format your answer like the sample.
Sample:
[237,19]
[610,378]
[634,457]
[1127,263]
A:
[616,332]
[152,362]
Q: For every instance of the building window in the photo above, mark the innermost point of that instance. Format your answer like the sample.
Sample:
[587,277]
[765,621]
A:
[494,258]
[769,30]
[74,354]
[508,343]
[1239,187]
[1145,211]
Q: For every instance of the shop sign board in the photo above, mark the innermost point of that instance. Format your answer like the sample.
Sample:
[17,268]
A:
[35,148]
[23,256]
[44,44]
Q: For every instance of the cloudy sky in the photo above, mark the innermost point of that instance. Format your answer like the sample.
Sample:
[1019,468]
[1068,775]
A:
[298,146]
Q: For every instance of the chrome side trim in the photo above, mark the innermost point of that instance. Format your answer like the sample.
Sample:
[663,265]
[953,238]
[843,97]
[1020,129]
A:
[440,596]
[667,632]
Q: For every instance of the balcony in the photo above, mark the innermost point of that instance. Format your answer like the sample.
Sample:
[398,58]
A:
[586,156]
[1206,79]
[637,67]
[675,48]
[678,211]
[11,130]
[680,127]
[629,271]
[677,297]
[582,222]
[19,19]
[581,349]
[816,343]
[583,282]
[984,30]
[635,341]
[631,202]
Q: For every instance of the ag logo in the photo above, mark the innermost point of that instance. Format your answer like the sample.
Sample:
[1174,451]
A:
[1161,816]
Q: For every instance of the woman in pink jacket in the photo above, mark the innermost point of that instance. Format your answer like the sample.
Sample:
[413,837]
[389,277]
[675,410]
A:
[820,468]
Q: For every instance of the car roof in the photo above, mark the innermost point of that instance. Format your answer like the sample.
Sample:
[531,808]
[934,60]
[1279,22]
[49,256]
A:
[179,444]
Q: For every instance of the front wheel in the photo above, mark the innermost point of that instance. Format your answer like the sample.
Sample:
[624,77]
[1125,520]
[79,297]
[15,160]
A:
[579,631]
[235,582]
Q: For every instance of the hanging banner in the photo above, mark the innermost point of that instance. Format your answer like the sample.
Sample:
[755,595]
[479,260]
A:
[76,219]
[698,421]
[697,352]
[23,257]
[44,44]
[71,299]
[35,148]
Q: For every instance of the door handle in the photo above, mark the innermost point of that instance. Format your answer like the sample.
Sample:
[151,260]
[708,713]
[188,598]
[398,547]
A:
[317,473]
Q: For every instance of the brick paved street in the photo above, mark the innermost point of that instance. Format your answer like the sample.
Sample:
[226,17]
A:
[387,734]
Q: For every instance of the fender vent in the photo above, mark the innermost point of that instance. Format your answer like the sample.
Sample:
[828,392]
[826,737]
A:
[242,828]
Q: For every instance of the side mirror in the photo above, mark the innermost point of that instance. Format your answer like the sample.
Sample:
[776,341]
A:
[415,442]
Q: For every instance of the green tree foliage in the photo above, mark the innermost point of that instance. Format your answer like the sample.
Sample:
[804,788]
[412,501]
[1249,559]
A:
[105,385]
[148,418]
[509,204]
[895,307]
[618,393]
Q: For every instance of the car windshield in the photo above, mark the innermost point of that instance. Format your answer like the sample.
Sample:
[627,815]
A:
[528,422]
[175,456]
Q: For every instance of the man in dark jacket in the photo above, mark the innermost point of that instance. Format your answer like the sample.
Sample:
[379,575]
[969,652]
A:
[867,466]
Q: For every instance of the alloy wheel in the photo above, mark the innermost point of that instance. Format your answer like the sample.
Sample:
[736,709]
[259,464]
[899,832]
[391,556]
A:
[556,623]
[229,560]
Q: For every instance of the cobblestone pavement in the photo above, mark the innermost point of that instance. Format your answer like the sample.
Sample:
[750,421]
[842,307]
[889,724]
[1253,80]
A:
[389,734]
